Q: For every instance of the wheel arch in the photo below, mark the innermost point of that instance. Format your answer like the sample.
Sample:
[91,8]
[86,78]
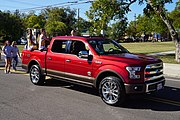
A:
[31,63]
[104,74]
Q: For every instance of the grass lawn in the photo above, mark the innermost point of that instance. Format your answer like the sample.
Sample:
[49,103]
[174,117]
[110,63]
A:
[149,47]
[21,47]
[168,59]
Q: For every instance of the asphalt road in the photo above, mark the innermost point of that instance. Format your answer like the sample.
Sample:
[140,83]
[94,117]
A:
[56,100]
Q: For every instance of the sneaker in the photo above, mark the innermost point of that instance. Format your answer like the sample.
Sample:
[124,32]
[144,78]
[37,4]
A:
[5,71]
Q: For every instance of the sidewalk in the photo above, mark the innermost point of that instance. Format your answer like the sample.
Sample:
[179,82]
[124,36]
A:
[162,53]
[170,70]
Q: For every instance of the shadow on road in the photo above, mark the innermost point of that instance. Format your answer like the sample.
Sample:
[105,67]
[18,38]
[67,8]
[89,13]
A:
[164,100]
[80,88]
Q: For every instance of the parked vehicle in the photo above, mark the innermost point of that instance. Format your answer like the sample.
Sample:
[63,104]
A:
[98,62]
[22,41]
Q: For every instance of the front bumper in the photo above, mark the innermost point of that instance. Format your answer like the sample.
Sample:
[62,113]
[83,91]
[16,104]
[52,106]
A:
[146,87]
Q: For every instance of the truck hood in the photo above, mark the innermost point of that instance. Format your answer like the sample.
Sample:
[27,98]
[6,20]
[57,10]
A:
[130,58]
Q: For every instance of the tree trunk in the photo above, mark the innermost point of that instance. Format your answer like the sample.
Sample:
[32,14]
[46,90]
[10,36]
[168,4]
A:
[174,36]
[171,29]
[177,43]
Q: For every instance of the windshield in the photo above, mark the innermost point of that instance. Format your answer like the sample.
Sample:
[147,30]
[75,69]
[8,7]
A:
[106,47]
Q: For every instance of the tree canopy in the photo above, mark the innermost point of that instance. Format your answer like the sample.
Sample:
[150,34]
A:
[103,11]
[56,28]
[11,26]
[35,21]
[64,15]
[175,16]
[146,25]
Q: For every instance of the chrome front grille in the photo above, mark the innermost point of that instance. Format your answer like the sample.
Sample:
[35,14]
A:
[153,71]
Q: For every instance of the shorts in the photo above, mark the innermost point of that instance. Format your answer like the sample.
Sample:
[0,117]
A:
[7,57]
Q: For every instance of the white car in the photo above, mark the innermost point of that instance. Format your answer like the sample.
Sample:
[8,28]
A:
[22,41]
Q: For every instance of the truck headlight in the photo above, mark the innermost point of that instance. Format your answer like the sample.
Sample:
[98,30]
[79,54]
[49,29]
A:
[133,72]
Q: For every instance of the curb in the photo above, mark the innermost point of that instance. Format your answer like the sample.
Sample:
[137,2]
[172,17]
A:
[17,71]
[172,76]
[171,70]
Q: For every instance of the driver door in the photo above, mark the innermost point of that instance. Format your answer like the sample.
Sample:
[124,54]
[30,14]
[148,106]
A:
[76,67]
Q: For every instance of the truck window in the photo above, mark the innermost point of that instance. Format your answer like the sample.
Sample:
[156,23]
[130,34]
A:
[76,47]
[107,47]
[59,46]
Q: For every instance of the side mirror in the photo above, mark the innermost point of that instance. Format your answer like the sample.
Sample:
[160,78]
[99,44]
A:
[83,54]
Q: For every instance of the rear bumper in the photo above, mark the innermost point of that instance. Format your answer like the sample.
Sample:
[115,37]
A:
[146,87]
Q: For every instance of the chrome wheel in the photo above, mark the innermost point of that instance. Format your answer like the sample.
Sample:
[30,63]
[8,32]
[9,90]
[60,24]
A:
[35,75]
[110,92]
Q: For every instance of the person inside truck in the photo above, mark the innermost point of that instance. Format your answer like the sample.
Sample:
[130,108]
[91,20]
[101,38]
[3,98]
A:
[42,40]
[74,33]
[97,46]
[77,46]
[31,45]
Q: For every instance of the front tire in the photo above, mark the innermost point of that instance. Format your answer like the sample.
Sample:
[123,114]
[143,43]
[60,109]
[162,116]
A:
[36,76]
[112,91]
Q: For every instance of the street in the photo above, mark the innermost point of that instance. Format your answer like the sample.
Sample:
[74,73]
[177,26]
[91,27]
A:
[57,100]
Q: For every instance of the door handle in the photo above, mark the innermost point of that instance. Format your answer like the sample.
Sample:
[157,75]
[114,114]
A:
[68,60]
[49,58]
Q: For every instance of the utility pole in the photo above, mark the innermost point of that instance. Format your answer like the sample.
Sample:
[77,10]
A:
[78,19]
[135,25]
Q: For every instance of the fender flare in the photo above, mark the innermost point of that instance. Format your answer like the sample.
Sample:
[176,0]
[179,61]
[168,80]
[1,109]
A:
[35,62]
[104,73]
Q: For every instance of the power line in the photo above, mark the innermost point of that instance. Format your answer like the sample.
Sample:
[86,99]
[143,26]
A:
[77,2]
[41,7]
[21,2]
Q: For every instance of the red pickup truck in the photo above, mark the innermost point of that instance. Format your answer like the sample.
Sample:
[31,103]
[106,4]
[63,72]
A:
[98,62]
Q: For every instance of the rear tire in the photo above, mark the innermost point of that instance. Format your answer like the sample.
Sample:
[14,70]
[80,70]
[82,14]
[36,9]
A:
[36,76]
[112,91]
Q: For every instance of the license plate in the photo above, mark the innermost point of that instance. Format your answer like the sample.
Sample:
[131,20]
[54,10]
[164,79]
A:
[159,86]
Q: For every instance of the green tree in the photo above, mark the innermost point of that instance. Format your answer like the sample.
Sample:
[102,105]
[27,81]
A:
[65,15]
[82,24]
[175,17]
[146,25]
[132,29]
[11,25]
[117,30]
[103,11]
[35,21]
[55,28]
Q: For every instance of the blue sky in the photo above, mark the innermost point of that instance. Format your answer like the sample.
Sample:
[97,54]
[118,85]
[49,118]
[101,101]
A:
[24,4]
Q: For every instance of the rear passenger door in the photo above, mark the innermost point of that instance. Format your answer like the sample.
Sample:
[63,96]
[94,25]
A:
[75,67]
[55,59]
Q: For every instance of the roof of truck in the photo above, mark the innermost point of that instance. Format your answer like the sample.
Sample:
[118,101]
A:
[78,37]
